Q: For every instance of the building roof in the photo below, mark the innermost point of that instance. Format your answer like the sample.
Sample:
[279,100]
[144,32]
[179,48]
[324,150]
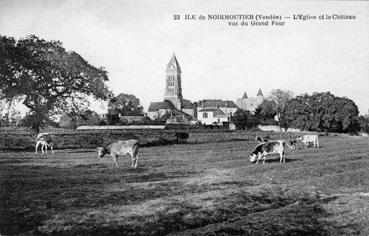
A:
[187,104]
[155,106]
[216,112]
[213,103]
[259,93]
[174,62]
[244,95]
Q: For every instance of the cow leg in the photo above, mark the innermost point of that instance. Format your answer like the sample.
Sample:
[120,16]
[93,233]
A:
[52,149]
[115,157]
[133,160]
[37,144]
[282,157]
[136,159]
[264,157]
[257,160]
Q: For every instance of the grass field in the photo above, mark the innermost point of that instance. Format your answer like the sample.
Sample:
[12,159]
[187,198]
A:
[191,189]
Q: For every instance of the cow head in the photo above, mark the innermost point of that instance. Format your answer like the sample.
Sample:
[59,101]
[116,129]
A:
[101,151]
[299,138]
[253,157]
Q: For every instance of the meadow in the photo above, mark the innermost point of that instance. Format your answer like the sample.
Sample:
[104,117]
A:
[190,189]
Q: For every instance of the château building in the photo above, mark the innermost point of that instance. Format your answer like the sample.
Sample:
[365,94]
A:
[250,104]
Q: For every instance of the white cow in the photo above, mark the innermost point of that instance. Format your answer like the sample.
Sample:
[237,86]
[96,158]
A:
[121,147]
[46,141]
[309,138]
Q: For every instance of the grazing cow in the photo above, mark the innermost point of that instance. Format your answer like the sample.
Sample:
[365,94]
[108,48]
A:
[46,141]
[292,144]
[181,137]
[309,138]
[121,148]
[268,148]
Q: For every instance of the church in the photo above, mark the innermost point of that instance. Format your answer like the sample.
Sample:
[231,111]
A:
[174,107]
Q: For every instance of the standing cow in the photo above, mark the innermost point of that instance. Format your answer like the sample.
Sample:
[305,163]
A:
[46,141]
[268,148]
[309,138]
[120,148]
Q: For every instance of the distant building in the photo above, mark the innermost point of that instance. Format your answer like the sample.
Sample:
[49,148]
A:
[174,105]
[250,104]
[215,111]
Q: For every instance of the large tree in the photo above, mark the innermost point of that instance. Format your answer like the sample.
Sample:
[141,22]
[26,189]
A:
[323,112]
[126,104]
[275,105]
[244,119]
[47,79]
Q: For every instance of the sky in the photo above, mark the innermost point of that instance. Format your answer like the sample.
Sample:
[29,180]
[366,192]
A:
[134,41]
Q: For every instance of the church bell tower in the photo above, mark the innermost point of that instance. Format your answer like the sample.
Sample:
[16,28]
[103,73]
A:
[173,87]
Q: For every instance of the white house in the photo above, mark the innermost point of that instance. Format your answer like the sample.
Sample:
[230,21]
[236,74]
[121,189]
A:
[215,111]
[209,116]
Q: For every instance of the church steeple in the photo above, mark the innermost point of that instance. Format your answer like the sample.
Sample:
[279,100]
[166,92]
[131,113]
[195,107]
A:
[260,93]
[173,86]
[173,64]
[244,95]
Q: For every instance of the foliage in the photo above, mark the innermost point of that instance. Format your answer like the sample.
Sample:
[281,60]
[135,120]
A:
[275,105]
[323,112]
[364,123]
[8,114]
[244,120]
[125,105]
[46,78]
[72,120]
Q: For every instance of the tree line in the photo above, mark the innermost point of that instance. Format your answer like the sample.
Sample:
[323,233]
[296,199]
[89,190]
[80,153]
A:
[322,112]
[52,82]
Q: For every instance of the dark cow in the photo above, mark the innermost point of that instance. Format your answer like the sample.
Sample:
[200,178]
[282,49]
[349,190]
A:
[121,148]
[46,141]
[268,148]
[292,144]
[181,137]
[263,139]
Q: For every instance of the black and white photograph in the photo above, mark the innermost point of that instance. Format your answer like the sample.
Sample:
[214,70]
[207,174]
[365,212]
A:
[194,117]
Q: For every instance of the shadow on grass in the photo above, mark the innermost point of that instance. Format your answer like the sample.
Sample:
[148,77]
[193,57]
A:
[268,213]
[274,160]
[29,194]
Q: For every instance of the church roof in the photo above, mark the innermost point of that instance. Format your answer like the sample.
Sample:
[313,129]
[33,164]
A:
[155,106]
[187,104]
[259,93]
[174,63]
[244,95]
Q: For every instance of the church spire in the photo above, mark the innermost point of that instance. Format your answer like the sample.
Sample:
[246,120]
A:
[260,93]
[173,63]
[244,95]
